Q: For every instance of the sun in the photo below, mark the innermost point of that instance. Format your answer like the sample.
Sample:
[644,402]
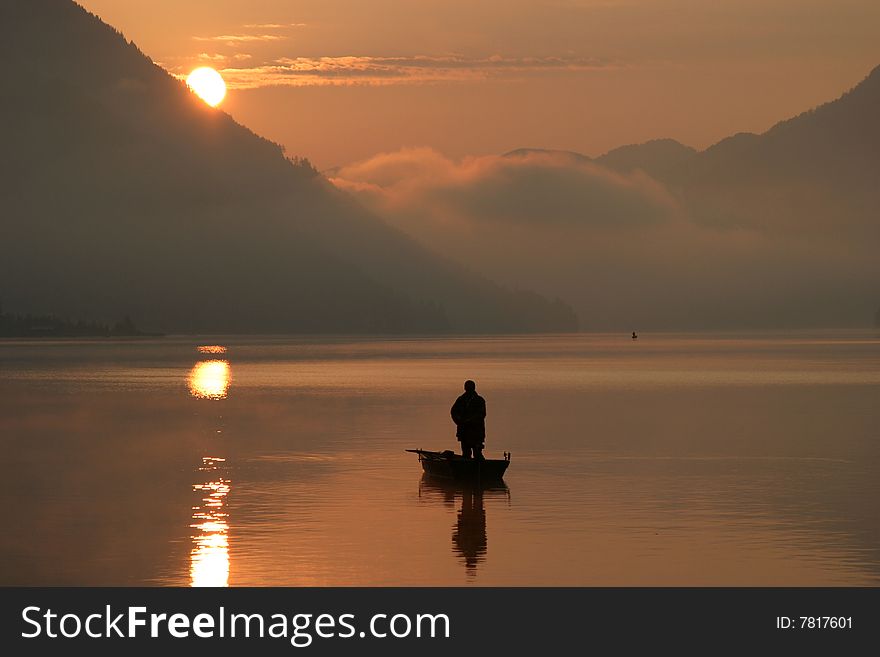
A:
[208,85]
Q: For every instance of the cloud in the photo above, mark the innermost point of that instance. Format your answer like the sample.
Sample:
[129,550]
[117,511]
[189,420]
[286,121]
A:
[272,26]
[241,38]
[537,188]
[623,249]
[268,32]
[372,70]
[221,59]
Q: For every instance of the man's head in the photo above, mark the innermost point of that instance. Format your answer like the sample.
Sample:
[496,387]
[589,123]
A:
[469,386]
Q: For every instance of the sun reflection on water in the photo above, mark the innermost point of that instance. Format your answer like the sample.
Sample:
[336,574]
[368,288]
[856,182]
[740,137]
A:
[209,558]
[209,379]
[211,349]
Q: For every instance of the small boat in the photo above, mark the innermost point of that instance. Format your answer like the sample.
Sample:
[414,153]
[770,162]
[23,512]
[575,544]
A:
[450,465]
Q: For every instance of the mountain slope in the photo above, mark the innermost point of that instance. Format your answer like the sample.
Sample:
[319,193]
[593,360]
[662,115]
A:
[656,157]
[815,172]
[778,229]
[574,158]
[124,193]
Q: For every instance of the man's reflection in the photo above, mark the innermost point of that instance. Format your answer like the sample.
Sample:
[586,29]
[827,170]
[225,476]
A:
[469,537]
[469,534]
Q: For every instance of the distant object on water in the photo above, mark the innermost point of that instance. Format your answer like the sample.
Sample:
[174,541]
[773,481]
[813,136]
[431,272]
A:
[450,465]
[635,336]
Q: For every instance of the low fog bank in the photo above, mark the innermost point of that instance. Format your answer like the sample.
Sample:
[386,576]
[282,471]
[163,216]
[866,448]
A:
[626,250]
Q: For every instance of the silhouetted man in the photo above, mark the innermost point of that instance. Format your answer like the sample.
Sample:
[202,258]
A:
[469,414]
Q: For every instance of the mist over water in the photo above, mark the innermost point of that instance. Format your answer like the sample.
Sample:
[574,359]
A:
[706,459]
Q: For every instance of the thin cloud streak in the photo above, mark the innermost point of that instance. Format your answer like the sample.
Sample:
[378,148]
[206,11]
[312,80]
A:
[247,37]
[221,58]
[272,26]
[242,38]
[367,70]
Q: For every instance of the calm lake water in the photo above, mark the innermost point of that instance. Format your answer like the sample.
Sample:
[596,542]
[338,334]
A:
[673,459]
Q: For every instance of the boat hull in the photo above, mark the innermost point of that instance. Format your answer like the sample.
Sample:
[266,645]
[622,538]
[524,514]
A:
[453,466]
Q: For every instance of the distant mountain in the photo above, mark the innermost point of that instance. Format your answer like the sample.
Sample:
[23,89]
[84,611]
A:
[778,229]
[123,193]
[576,158]
[656,158]
[818,171]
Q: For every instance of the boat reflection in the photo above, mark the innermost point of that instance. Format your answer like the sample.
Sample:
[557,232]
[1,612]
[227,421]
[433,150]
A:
[469,536]
[209,557]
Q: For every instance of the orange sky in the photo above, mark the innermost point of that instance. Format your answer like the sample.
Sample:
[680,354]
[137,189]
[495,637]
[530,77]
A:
[341,80]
